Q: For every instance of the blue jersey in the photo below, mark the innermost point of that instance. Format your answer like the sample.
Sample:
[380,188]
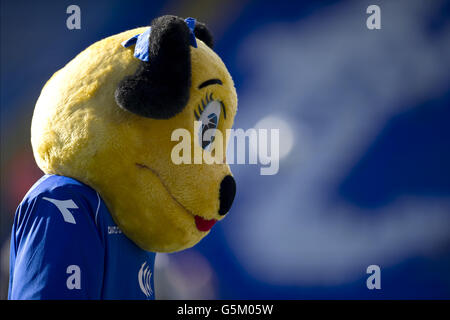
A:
[65,245]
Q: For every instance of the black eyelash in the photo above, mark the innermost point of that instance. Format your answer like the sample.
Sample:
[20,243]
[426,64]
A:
[204,105]
[201,107]
[223,108]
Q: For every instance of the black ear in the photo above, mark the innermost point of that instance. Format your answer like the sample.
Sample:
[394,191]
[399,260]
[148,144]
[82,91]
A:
[160,88]
[201,32]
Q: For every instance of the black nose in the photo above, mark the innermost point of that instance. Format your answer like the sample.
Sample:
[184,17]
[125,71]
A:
[226,194]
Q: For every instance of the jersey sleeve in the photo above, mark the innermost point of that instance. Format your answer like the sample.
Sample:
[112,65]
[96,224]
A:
[56,249]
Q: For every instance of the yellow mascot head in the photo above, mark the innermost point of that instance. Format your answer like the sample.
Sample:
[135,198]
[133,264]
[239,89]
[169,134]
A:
[110,119]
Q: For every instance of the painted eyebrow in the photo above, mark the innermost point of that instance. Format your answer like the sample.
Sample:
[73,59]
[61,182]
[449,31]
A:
[210,82]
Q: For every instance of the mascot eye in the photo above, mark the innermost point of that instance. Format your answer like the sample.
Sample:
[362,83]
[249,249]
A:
[209,115]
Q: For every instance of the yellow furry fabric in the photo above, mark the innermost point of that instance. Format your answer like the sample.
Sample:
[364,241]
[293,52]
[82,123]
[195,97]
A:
[79,131]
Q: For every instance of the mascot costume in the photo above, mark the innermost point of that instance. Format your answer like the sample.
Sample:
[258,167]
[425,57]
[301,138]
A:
[112,196]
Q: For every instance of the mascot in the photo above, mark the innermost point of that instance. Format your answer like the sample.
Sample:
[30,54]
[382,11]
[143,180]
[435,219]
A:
[112,195]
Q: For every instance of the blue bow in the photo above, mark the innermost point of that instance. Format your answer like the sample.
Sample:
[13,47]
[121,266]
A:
[142,41]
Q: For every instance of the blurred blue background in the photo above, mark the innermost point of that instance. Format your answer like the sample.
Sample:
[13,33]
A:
[364,138]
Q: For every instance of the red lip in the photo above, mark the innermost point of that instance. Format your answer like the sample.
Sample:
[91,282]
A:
[203,224]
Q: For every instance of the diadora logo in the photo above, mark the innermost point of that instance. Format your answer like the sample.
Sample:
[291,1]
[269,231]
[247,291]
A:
[64,206]
[144,277]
